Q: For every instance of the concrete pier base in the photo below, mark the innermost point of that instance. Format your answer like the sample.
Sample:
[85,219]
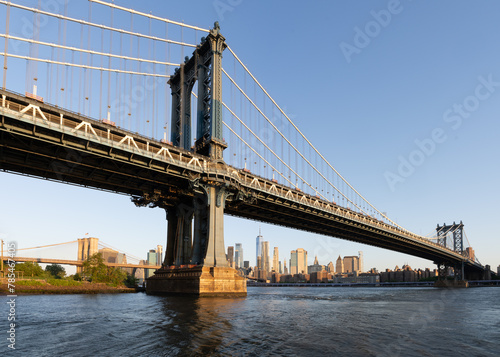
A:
[451,284]
[197,280]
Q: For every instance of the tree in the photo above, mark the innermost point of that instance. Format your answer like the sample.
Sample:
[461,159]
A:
[56,270]
[30,269]
[96,271]
[131,281]
[94,268]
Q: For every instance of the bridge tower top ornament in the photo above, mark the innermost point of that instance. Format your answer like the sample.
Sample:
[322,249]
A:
[204,67]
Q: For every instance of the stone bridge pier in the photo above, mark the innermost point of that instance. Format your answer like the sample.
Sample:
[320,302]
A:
[195,260]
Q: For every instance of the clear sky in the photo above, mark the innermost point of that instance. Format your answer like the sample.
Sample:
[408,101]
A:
[402,97]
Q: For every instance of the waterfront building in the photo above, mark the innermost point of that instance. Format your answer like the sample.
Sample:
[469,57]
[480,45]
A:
[238,255]
[285,269]
[276,260]
[498,270]
[354,279]
[319,277]
[360,264]
[330,268]
[298,261]
[280,269]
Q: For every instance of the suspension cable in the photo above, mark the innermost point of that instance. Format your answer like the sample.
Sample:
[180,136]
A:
[267,147]
[148,15]
[49,245]
[305,138]
[84,66]
[288,141]
[105,54]
[83,22]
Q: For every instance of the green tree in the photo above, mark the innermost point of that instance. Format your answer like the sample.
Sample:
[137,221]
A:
[56,270]
[30,269]
[131,281]
[96,271]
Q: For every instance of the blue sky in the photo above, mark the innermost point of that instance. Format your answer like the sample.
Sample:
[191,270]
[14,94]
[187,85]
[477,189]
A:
[403,98]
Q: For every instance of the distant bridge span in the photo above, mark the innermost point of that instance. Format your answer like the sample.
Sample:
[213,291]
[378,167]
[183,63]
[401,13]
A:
[79,263]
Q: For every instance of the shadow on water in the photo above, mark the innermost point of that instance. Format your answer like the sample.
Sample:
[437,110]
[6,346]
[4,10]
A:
[196,326]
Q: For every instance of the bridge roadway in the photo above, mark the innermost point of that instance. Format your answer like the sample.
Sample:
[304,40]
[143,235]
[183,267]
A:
[79,263]
[45,141]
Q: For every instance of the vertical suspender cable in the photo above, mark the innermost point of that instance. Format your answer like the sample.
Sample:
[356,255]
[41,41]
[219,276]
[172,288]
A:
[6,47]
[109,65]
[90,73]
[129,114]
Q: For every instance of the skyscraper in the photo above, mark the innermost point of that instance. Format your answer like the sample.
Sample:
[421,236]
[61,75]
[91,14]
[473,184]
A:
[351,264]
[152,256]
[360,261]
[159,255]
[276,259]
[339,266]
[285,269]
[238,255]
[258,248]
[266,266]
[298,261]
[230,255]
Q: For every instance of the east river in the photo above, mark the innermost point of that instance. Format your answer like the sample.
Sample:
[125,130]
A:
[268,322]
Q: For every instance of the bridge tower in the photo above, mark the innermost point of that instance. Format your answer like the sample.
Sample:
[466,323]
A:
[195,260]
[87,247]
[205,67]
[457,231]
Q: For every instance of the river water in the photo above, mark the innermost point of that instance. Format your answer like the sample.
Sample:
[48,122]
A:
[268,322]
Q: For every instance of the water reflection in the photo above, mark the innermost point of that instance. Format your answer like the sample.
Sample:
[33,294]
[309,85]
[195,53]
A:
[197,326]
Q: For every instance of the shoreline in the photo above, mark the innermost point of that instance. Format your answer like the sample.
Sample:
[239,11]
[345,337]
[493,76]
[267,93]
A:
[472,283]
[84,288]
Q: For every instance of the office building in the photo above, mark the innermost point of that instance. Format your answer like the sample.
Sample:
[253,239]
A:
[330,268]
[152,257]
[351,264]
[285,269]
[360,266]
[238,255]
[316,267]
[159,255]
[230,256]
[298,261]
[258,248]
[266,264]
[339,266]
[276,259]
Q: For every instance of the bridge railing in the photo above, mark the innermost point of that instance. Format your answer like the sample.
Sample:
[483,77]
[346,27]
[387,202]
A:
[100,132]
